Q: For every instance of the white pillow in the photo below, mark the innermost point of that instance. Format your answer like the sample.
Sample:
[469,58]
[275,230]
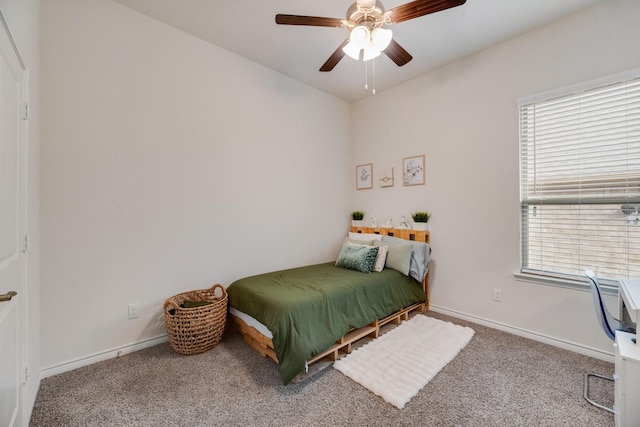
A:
[364,236]
[381,258]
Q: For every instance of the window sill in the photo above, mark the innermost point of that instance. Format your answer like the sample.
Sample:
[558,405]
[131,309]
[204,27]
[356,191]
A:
[580,285]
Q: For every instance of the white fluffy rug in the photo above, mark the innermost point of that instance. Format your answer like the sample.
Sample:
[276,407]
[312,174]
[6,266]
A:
[396,365]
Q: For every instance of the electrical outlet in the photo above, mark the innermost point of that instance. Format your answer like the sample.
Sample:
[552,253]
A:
[497,294]
[134,310]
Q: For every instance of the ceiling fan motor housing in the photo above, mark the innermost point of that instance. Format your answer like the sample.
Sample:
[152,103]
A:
[361,13]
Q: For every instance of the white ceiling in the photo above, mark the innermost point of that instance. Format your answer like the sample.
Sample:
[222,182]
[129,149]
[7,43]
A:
[248,28]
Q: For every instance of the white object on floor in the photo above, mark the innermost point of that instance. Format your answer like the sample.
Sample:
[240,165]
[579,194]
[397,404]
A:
[396,365]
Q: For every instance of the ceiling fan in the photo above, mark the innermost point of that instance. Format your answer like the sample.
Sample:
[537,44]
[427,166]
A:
[365,21]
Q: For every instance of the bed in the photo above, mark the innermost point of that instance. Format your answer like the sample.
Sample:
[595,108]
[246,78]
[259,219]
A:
[301,316]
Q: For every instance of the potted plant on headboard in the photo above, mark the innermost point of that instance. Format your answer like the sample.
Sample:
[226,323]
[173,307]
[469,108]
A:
[420,220]
[356,218]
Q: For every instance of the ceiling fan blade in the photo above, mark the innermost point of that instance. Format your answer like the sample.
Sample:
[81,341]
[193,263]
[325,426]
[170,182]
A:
[397,53]
[418,8]
[334,58]
[314,21]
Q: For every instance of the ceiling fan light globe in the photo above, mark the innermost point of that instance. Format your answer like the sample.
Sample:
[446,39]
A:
[352,50]
[369,53]
[360,37]
[380,38]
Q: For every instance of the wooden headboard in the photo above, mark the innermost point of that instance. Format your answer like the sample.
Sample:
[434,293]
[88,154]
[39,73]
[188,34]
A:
[407,234]
[416,235]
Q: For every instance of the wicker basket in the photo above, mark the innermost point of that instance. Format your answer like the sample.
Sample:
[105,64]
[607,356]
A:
[198,329]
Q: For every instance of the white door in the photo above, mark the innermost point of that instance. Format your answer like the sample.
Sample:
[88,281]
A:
[12,224]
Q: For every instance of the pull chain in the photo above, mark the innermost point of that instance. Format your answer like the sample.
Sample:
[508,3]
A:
[373,75]
[366,76]
[373,72]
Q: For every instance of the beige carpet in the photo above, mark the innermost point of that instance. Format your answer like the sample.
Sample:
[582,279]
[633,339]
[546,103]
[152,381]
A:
[497,380]
[399,363]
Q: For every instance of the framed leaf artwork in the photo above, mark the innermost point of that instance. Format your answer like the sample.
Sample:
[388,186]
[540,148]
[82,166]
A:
[364,176]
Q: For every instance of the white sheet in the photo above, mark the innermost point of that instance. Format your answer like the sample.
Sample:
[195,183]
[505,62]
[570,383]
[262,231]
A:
[252,322]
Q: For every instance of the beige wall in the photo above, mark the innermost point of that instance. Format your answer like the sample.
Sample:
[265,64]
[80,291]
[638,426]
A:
[464,117]
[169,164]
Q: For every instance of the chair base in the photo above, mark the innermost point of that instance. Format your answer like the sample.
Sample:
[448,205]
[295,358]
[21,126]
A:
[586,391]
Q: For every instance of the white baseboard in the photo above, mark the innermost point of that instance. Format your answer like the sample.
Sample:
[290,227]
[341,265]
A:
[566,345]
[99,357]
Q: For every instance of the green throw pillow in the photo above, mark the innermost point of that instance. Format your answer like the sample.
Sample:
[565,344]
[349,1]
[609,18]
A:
[357,257]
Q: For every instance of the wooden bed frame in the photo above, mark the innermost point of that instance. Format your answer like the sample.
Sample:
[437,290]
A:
[264,345]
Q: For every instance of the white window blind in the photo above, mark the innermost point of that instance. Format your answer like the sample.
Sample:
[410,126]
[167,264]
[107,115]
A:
[580,182]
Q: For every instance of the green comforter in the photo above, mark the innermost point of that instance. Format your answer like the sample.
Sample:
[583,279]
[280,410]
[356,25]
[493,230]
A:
[308,309]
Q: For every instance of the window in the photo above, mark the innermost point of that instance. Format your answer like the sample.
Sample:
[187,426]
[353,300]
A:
[580,181]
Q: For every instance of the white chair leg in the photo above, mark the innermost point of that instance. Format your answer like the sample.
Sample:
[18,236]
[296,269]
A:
[586,391]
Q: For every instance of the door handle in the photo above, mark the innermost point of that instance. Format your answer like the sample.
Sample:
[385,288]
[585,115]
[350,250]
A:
[8,296]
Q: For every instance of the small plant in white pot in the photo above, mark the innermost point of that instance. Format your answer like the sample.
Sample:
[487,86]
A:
[356,218]
[420,220]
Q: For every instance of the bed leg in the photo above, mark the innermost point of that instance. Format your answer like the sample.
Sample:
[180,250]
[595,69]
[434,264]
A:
[376,332]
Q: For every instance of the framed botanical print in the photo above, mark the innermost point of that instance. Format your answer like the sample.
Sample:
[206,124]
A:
[364,176]
[413,170]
